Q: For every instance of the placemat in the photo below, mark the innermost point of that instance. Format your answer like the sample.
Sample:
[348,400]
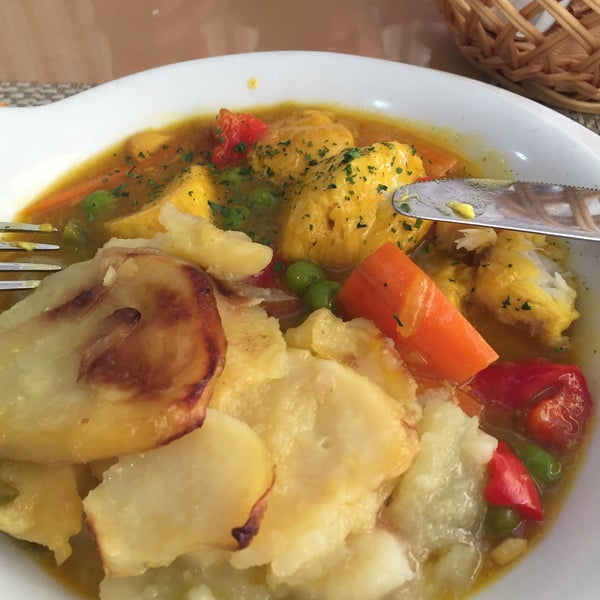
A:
[32,93]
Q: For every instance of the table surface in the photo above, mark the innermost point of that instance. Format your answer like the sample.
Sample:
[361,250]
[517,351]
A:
[50,49]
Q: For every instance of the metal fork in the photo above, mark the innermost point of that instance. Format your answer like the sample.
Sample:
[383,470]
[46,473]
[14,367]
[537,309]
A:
[19,246]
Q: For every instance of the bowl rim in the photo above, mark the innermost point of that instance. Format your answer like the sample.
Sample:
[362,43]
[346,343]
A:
[385,86]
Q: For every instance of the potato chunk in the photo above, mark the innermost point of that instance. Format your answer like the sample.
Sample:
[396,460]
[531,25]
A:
[46,508]
[113,355]
[191,192]
[204,489]
[339,212]
[374,564]
[437,506]
[183,580]
[228,255]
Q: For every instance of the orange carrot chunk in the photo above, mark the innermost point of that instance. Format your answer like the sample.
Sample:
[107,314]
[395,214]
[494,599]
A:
[403,301]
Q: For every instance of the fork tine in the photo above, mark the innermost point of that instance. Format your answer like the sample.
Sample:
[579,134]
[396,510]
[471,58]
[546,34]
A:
[17,245]
[29,246]
[29,227]
[19,284]
[16,266]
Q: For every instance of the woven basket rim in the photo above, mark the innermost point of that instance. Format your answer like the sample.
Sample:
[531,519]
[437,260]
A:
[559,66]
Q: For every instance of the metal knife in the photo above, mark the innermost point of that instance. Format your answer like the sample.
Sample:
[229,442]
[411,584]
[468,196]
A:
[550,209]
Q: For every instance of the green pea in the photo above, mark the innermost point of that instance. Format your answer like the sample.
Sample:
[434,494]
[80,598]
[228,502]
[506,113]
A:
[234,175]
[540,463]
[262,196]
[301,274]
[501,520]
[74,234]
[96,203]
[235,218]
[321,294]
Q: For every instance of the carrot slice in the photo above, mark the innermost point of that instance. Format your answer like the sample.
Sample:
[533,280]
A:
[78,191]
[104,181]
[437,162]
[404,302]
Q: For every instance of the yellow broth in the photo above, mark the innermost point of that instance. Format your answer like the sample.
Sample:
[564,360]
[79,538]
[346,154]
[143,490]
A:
[140,183]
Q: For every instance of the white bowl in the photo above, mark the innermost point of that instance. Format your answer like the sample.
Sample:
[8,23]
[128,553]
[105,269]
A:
[39,144]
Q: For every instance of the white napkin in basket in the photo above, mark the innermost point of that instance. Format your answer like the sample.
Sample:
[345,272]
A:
[543,20]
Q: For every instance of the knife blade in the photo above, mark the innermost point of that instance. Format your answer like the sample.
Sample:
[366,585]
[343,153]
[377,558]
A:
[549,209]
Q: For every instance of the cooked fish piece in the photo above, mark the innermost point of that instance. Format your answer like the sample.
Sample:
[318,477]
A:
[340,211]
[454,277]
[114,355]
[296,141]
[521,282]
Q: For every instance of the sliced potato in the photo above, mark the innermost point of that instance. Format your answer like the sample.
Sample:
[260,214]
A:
[337,440]
[359,344]
[204,489]
[114,355]
[44,506]
[256,352]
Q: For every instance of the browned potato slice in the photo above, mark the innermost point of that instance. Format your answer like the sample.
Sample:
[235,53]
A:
[205,489]
[113,355]
[40,504]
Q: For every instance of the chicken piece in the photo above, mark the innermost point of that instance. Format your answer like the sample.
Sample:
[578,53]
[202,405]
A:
[40,504]
[520,280]
[191,192]
[294,142]
[117,354]
[205,489]
[340,212]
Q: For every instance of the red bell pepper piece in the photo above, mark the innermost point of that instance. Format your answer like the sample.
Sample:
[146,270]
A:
[234,134]
[510,484]
[270,276]
[550,401]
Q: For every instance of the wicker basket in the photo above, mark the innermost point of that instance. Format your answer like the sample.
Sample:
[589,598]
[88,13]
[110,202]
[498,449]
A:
[559,66]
